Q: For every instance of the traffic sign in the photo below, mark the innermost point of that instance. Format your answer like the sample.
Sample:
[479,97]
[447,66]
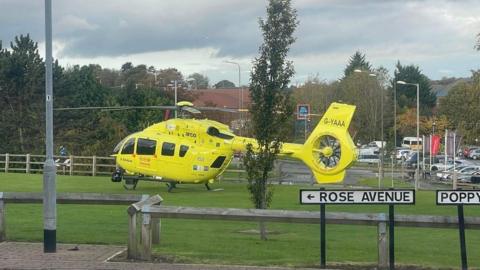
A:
[397,196]
[303,110]
[457,197]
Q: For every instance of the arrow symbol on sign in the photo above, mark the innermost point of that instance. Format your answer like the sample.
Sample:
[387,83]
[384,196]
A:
[310,196]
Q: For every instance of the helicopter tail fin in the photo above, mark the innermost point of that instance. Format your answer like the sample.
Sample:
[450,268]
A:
[329,150]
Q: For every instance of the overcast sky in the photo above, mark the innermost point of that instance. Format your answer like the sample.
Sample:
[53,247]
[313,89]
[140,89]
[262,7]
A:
[198,36]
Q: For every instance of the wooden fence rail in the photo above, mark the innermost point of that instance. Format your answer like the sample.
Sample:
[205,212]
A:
[76,165]
[63,198]
[152,212]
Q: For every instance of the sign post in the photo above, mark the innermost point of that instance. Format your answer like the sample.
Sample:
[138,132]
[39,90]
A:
[386,197]
[323,241]
[303,111]
[459,198]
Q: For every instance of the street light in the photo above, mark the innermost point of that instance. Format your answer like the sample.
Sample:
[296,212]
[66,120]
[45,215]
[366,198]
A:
[380,173]
[175,87]
[49,168]
[240,100]
[418,129]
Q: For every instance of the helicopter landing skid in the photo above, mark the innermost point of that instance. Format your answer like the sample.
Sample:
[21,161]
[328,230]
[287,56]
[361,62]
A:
[130,183]
[171,186]
[208,187]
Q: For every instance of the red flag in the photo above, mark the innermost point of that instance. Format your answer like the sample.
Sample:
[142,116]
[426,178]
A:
[435,147]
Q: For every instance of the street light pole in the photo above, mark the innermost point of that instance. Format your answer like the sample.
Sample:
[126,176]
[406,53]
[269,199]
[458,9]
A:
[240,100]
[49,169]
[417,172]
[175,97]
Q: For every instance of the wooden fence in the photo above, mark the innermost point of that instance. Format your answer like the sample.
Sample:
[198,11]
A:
[71,165]
[151,212]
[63,198]
[86,165]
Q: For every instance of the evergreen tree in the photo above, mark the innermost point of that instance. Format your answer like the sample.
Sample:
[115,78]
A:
[357,61]
[407,94]
[22,94]
[271,106]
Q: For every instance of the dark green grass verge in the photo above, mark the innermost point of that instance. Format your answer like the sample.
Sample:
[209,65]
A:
[227,242]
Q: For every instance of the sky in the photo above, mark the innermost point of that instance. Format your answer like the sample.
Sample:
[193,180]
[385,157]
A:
[199,36]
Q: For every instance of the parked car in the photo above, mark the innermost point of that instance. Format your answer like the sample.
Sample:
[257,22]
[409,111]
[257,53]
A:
[474,153]
[368,158]
[463,173]
[439,165]
[475,178]
[466,150]
[403,154]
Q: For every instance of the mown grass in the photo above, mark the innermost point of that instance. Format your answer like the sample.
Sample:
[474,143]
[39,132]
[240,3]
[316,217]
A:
[229,242]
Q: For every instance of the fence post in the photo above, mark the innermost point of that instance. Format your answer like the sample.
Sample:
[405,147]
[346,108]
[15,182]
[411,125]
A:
[7,161]
[94,165]
[2,219]
[71,165]
[156,226]
[27,164]
[382,242]
[132,235]
[146,250]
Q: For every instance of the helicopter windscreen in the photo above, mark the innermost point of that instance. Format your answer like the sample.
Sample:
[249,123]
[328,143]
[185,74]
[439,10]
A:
[118,146]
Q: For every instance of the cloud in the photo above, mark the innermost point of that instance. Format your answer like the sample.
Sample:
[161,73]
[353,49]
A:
[432,33]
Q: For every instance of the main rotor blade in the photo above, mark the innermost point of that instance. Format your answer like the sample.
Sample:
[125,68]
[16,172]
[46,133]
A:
[115,108]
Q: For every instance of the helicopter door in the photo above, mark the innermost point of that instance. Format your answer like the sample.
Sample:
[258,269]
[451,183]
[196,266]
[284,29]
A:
[146,155]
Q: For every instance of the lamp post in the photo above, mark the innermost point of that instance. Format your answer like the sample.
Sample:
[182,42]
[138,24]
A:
[380,173]
[175,88]
[240,100]
[418,129]
[49,168]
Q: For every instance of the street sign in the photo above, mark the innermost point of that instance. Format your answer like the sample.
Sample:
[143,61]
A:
[396,196]
[303,110]
[457,197]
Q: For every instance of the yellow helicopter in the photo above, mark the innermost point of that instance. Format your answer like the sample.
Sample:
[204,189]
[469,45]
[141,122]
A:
[183,150]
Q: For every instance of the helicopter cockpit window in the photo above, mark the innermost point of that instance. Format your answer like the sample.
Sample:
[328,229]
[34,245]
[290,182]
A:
[168,149]
[128,147]
[213,131]
[183,150]
[146,147]
[118,146]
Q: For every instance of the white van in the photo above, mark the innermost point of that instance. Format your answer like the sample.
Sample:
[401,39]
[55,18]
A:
[412,143]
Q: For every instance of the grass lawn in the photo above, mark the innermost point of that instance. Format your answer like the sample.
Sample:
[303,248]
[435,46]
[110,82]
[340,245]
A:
[229,242]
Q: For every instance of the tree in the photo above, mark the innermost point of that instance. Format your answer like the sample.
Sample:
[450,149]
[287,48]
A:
[271,106]
[461,108]
[365,92]
[407,94]
[22,94]
[357,61]
[199,81]
[224,84]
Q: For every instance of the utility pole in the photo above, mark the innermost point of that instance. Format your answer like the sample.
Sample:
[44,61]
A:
[176,98]
[240,100]
[49,169]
